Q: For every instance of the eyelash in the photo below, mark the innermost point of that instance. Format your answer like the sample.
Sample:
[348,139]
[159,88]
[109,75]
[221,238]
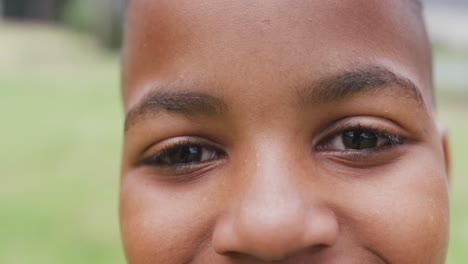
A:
[186,142]
[393,139]
[322,145]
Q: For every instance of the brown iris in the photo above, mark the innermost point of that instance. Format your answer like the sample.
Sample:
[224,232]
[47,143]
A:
[359,139]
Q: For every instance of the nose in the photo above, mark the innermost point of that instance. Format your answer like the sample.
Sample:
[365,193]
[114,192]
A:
[278,216]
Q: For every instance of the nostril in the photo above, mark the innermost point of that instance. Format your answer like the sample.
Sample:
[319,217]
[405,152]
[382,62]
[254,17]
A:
[270,239]
[234,254]
[319,247]
[245,256]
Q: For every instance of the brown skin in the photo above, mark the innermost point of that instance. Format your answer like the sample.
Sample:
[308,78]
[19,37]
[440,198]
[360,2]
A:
[247,84]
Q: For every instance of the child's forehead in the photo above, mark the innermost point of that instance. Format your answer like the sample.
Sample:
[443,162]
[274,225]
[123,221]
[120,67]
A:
[164,36]
[277,19]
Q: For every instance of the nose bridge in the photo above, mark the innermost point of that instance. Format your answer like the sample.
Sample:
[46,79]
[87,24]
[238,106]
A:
[277,213]
[273,204]
[271,191]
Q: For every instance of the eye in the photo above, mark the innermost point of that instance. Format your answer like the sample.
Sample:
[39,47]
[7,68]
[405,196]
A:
[183,154]
[357,139]
[360,139]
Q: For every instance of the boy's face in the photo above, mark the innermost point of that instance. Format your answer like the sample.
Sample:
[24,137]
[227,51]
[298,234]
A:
[288,131]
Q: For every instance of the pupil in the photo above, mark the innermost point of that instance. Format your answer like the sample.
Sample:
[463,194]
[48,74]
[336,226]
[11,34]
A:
[185,154]
[358,139]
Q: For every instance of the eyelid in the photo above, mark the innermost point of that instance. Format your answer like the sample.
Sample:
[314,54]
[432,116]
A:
[390,139]
[170,143]
[374,124]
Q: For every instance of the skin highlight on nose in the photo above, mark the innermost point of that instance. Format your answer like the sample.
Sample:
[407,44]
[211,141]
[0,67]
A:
[275,218]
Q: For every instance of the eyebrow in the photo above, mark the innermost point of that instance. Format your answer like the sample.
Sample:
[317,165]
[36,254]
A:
[330,89]
[183,102]
[363,81]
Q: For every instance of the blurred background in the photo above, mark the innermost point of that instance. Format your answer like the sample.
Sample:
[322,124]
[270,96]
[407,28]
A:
[61,126]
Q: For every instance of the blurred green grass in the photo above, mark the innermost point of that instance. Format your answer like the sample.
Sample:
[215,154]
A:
[453,112]
[59,148]
[61,141]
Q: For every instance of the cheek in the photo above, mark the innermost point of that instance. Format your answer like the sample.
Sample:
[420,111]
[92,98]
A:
[163,224]
[404,213]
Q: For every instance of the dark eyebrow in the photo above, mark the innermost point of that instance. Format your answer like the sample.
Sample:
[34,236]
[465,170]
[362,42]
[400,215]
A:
[346,84]
[329,89]
[182,102]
